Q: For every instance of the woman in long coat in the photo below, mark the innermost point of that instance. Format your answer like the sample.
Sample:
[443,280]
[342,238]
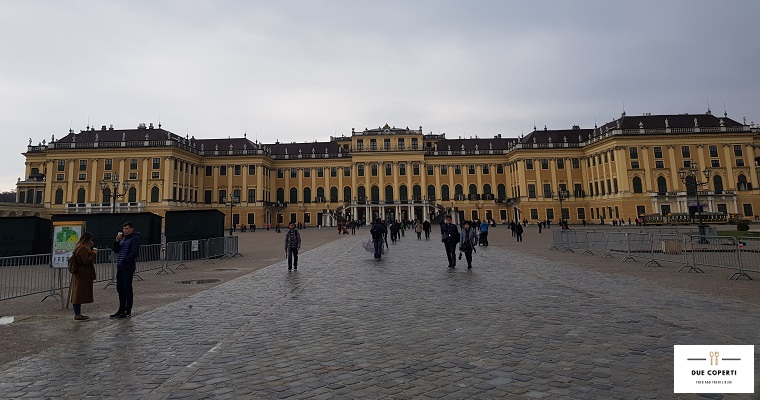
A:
[418,229]
[84,276]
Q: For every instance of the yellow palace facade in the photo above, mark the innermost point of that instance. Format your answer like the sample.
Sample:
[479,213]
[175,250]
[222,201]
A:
[623,169]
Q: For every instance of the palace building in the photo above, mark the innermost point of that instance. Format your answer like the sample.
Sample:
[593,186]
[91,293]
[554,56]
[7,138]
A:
[623,169]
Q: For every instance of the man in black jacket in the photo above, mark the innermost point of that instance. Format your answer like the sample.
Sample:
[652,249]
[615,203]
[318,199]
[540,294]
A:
[450,238]
[378,232]
[127,249]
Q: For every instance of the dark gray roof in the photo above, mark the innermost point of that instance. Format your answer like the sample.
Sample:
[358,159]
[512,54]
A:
[117,135]
[483,144]
[575,135]
[673,121]
[305,148]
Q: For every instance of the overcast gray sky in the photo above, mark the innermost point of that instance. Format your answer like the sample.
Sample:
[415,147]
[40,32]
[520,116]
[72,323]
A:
[305,70]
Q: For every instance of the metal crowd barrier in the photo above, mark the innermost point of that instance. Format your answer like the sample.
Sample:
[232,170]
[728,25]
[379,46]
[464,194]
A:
[32,274]
[692,252]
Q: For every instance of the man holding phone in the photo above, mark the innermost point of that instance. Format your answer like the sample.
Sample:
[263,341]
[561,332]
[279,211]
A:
[127,248]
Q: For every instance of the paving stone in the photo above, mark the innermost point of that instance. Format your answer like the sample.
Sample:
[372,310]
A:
[347,326]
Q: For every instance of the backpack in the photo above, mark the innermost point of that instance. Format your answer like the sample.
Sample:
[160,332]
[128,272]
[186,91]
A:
[375,232]
[72,265]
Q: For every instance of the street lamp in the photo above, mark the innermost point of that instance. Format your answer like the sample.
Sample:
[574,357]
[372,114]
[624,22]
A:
[114,182]
[234,200]
[563,195]
[693,172]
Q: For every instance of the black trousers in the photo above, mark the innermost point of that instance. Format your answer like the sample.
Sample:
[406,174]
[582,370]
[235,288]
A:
[124,288]
[451,253]
[292,257]
[468,256]
[519,237]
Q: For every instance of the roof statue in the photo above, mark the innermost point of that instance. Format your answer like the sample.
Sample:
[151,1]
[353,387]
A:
[216,147]
[476,147]
[721,122]
[641,125]
[448,147]
[30,141]
[534,139]
[667,124]
[696,125]
[52,138]
[435,146]
[230,146]
[286,150]
[73,139]
[462,146]
[245,146]
[580,138]
[201,146]
[43,142]
[490,146]
[146,136]
[564,139]
[299,152]
[124,136]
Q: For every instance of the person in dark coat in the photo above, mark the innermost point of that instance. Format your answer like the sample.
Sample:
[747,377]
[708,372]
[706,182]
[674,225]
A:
[467,243]
[378,233]
[519,232]
[450,238]
[292,245]
[127,249]
[83,276]
[427,228]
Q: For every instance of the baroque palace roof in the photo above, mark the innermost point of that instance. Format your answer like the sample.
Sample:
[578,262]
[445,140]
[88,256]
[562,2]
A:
[546,138]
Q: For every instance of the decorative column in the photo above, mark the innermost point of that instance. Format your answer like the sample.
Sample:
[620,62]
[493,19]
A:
[94,185]
[729,167]
[167,178]
[144,184]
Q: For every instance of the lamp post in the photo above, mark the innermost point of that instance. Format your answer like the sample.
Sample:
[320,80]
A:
[114,182]
[563,195]
[693,172]
[234,200]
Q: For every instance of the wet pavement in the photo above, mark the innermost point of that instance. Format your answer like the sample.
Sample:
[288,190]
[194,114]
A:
[346,326]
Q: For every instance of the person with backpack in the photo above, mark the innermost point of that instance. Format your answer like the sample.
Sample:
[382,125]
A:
[82,268]
[292,245]
[483,233]
[450,239]
[467,243]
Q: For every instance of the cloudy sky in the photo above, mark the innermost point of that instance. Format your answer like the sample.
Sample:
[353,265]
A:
[306,70]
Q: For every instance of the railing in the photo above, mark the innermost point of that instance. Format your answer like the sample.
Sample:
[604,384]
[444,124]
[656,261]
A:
[32,274]
[691,252]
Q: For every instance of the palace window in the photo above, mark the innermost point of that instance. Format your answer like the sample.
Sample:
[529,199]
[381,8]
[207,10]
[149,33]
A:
[715,163]
[485,169]
[457,169]
[373,144]
[155,175]
[360,144]
[293,173]
[333,172]
[499,168]
[659,164]
[388,169]
[471,169]
[444,170]
[401,143]
[346,171]
[739,162]
[156,163]
[634,165]
[133,175]
[544,163]
[576,163]
[320,172]
[685,151]
[251,170]
[387,144]
[531,191]
[713,151]
[402,169]
[62,165]
[133,163]
[280,173]
[416,169]
[373,169]
[82,177]
[307,172]
[430,170]
[414,144]
[108,166]
[209,170]
[83,165]
[657,152]
[529,164]
[360,170]
[560,163]
[738,150]
[59,177]
[222,170]
[547,190]
[634,152]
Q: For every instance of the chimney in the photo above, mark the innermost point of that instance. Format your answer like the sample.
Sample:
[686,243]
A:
[102,128]
[150,126]
[110,127]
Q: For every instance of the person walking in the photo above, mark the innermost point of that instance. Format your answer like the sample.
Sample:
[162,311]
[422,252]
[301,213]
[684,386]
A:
[418,229]
[378,232]
[513,226]
[450,239]
[519,232]
[277,228]
[83,275]
[426,227]
[539,227]
[292,245]
[467,243]
[127,249]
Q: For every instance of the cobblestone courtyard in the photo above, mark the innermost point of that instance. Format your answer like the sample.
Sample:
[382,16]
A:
[347,326]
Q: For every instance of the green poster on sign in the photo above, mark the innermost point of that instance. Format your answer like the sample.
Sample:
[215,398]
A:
[65,237]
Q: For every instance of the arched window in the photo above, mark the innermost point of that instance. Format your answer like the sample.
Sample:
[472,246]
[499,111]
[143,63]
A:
[416,193]
[375,193]
[473,189]
[403,193]
[741,181]
[293,195]
[107,195]
[59,196]
[346,194]
[389,194]
[154,194]
[431,192]
[637,188]
[132,195]
[81,195]
[662,185]
[281,195]
[445,193]
[487,189]
[334,194]
[501,190]
[718,184]
[691,186]
[321,194]
[458,189]
[307,195]
[362,193]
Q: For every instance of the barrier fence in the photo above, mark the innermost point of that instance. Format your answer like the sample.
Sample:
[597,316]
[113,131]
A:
[692,252]
[32,274]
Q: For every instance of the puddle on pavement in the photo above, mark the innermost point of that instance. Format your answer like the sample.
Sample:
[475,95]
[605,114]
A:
[6,320]
[198,281]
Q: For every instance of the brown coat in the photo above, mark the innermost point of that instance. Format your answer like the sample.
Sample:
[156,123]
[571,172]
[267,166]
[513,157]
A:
[81,281]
